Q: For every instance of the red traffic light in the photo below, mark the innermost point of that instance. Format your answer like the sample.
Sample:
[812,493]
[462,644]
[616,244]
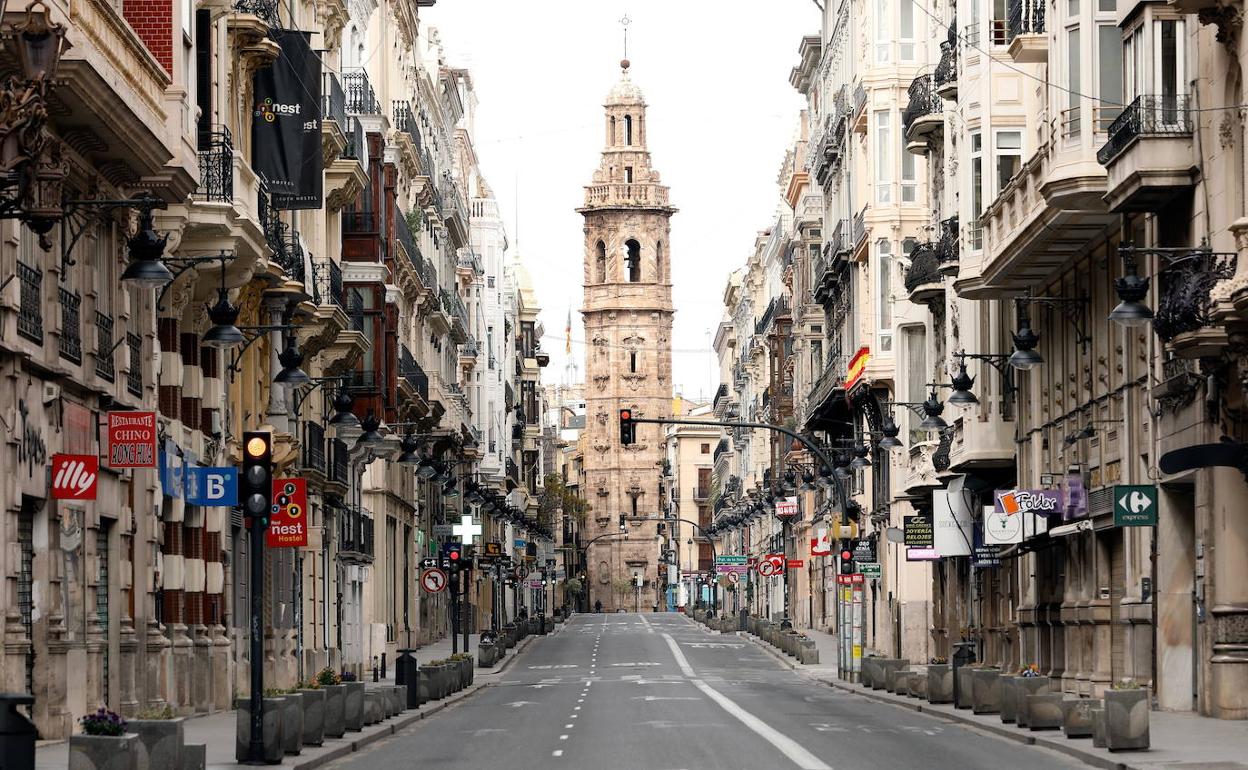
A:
[454,555]
[847,555]
[626,414]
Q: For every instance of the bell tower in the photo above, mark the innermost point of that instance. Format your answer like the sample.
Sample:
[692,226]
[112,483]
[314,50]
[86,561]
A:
[628,359]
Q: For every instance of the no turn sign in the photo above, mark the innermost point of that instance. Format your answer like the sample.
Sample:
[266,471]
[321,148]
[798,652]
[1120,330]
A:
[772,564]
[433,580]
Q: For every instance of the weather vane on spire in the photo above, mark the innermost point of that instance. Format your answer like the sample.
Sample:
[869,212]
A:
[624,22]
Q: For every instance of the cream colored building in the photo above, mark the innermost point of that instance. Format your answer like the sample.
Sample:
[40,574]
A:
[689,461]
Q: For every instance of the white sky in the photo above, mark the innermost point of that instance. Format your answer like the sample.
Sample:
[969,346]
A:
[721,113]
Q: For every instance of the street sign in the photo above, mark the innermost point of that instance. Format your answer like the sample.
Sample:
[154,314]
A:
[443,530]
[1135,505]
[796,563]
[919,532]
[734,577]
[772,564]
[730,559]
[522,572]
[731,569]
[535,583]
[429,563]
[870,569]
[433,580]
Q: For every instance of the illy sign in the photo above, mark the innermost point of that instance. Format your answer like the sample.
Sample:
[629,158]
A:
[74,477]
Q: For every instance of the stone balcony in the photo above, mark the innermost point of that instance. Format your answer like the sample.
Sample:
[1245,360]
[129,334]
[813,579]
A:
[1149,154]
[605,196]
[1025,33]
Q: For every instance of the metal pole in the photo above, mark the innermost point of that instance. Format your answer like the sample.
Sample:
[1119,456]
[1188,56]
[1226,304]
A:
[255,744]
[454,612]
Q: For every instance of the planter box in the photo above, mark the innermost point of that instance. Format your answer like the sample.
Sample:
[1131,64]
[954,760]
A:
[335,708]
[1126,720]
[1044,711]
[1077,716]
[292,723]
[986,691]
[807,653]
[400,695]
[160,741]
[1028,686]
[962,697]
[940,683]
[104,752]
[885,667]
[868,672]
[901,682]
[509,635]
[373,711]
[485,653]
[428,683]
[352,706]
[313,717]
[917,685]
[1009,698]
[194,757]
[1098,727]
[272,729]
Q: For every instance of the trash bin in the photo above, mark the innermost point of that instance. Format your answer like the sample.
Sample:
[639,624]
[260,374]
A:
[963,655]
[17,733]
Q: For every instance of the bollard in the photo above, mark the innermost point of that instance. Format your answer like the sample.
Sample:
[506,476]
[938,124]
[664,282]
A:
[375,677]
[407,673]
[383,665]
[17,733]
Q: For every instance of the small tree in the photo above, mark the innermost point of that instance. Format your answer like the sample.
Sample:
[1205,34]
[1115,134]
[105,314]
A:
[558,496]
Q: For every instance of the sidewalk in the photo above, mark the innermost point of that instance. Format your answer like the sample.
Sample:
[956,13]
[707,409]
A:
[216,731]
[1178,738]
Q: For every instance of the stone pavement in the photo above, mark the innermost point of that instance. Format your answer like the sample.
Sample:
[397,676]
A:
[216,731]
[1178,739]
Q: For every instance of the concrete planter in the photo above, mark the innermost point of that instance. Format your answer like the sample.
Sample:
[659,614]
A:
[963,696]
[194,756]
[917,684]
[885,668]
[335,710]
[986,691]
[940,683]
[1009,698]
[509,635]
[292,723]
[1044,711]
[1077,716]
[869,671]
[1126,720]
[313,717]
[1098,727]
[400,694]
[272,729]
[485,653]
[374,712]
[160,741]
[429,683]
[352,706]
[807,653]
[470,667]
[105,752]
[901,682]
[1027,686]
[390,700]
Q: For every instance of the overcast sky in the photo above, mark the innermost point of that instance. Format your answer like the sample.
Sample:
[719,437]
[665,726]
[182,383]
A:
[721,113]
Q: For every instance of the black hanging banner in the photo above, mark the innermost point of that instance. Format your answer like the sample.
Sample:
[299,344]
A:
[286,124]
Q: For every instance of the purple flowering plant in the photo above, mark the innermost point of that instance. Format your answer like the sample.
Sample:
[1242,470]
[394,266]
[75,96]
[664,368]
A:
[103,722]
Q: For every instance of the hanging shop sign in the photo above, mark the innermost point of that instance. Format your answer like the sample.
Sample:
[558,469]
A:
[286,124]
[132,439]
[1019,514]
[821,544]
[918,529]
[986,554]
[171,470]
[951,522]
[75,477]
[288,526]
[857,367]
[864,550]
[922,554]
[211,486]
[786,508]
[1075,496]
[1135,505]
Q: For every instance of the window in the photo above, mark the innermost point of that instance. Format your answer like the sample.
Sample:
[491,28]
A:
[632,361]
[884,295]
[634,260]
[658,262]
[977,188]
[628,174]
[1168,70]
[883,157]
[706,449]
[998,23]
[909,188]
[601,262]
[611,135]
[628,130]
[883,37]
[1009,157]
[1073,75]
[905,31]
[916,376]
[1109,66]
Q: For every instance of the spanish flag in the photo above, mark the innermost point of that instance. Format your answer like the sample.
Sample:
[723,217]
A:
[568,334]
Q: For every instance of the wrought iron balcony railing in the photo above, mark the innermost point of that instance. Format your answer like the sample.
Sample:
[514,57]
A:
[355,309]
[265,9]
[778,306]
[30,313]
[134,377]
[859,231]
[947,246]
[104,368]
[1184,302]
[71,325]
[334,101]
[924,267]
[216,165]
[405,121]
[329,288]
[411,371]
[860,99]
[356,148]
[1148,115]
[339,459]
[947,70]
[361,98]
[403,234]
[454,306]
[923,101]
[355,533]
[314,446]
[1023,17]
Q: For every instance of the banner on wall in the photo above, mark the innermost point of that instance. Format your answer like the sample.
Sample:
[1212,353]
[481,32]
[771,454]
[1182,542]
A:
[286,124]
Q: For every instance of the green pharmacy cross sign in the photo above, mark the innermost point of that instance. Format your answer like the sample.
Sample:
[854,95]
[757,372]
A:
[1135,505]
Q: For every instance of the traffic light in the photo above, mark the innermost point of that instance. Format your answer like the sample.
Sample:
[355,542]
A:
[847,561]
[628,428]
[454,555]
[623,523]
[255,489]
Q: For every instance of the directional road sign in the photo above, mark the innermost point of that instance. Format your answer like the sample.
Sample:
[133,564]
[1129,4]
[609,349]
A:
[870,569]
[433,580]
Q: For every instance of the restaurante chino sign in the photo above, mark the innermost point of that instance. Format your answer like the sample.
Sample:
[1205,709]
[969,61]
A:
[132,439]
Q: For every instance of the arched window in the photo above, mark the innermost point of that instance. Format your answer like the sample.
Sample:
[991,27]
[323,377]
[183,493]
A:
[632,361]
[628,129]
[634,260]
[658,262]
[601,262]
[611,136]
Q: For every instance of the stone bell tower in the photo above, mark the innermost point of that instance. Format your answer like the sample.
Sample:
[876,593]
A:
[628,357]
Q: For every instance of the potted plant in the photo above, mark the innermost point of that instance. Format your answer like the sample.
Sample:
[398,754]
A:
[271,729]
[1126,716]
[103,743]
[161,737]
[335,694]
[352,701]
[1027,684]
[313,713]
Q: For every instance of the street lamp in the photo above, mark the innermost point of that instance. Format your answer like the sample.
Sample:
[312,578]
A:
[291,358]
[223,334]
[1025,341]
[146,247]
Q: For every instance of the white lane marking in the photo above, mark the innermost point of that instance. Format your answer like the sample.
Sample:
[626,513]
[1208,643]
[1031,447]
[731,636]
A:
[556,753]
[580,700]
[576,708]
[787,746]
[563,737]
[567,727]
[680,656]
[573,716]
[646,623]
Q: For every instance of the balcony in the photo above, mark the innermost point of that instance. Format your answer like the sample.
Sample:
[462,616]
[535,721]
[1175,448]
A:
[355,535]
[720,449]
[1024,31]
[313,453]
[945,77]
[406,135]
[415,274]
[455,310]
[777,308]
[337,463]
[70,346]
[266,10]
[721,395]
[605,196]
[30,312]
[134,372]
[361,237]
[924,115]
[286,248]
[468,353]
[513,474]
[413,382]
[947,247]
[858,228]
[858,111]
[216,166]
[1184,315]
[104,367]
[1148,154]
[700,494]
[360,97]
[924,282]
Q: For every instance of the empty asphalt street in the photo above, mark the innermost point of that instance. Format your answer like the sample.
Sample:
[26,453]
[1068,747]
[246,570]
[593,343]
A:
[658,692]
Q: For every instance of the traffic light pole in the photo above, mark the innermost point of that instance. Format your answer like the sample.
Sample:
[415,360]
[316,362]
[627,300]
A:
[466,607]
[454,611]
[255,744]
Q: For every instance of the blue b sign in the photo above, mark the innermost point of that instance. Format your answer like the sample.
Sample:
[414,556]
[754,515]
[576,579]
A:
[211,486]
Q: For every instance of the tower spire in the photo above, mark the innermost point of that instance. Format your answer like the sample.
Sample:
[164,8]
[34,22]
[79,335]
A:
[624,22]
